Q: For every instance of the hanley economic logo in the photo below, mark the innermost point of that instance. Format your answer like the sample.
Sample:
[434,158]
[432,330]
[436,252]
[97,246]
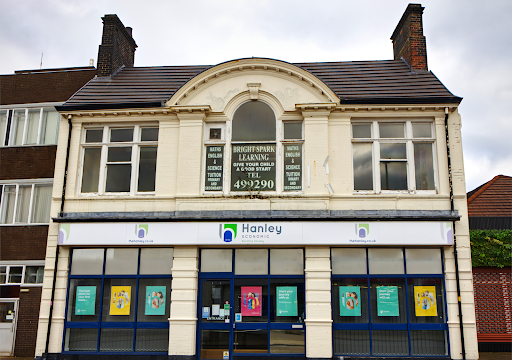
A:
[64,230]
[227,232]
[141,230]
[362,230]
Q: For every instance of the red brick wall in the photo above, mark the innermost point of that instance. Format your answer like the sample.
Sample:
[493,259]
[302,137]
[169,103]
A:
[28,315]
[493,300]
[23,242]
[27,162]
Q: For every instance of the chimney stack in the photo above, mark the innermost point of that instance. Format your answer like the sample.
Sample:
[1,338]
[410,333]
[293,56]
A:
[408,40]
[117,47]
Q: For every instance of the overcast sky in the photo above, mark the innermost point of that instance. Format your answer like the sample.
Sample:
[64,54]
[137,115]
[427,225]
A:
[469,46]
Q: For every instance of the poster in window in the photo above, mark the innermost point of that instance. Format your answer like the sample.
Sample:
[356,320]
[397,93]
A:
[425,299]
[350,304]
[253,167]
[155,300]
[120,297]
[292,167]
[214,168]
[286,300]
[85,303]
[387,301]
[251,301]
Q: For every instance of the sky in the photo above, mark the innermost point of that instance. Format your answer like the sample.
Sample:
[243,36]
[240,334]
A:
[469,46]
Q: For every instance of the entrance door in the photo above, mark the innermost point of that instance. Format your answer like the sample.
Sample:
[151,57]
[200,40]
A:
[8,318]
[215,323]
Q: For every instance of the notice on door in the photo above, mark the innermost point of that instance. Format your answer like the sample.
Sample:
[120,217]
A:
[387,301]
[253,167]
[214,168]
[286,300]
[85,303]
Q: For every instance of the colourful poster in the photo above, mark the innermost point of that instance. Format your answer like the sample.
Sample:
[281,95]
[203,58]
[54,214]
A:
[387,301]
[286,300]
[349,301]
[425,298]
[120,300]
[155,300]
[251,301]
[85,303]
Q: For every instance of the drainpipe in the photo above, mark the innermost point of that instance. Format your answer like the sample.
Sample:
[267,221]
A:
[455,253]
[45,356]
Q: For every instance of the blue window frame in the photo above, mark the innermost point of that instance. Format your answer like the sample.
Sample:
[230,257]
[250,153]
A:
[394,326]
[101,320]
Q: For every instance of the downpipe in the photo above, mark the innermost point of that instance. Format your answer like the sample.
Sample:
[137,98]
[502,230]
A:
[455,253]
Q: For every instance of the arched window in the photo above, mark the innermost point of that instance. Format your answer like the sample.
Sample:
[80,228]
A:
[254,121]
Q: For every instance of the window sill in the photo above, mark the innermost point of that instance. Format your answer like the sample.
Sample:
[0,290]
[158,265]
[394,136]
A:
[38,224]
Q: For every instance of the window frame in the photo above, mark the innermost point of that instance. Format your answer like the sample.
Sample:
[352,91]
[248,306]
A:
[11,129]
[104,145]
[23,265]
[375,141]
[32,183]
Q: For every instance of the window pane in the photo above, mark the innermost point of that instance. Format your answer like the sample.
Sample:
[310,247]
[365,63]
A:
[81,340]
[9,198]
[393,151]
[426,300]
[215,293]
[94,135]
[350,300]
[388,301]
[250,341]
[42,202]
[391,130]
[3,274]
[147,168]
[157,261]
[251,262]
[420,130]
[154,300]
[390,342]
[216,260]
[116,340]
[121,261]
[424,166]
[17,127]
[84,300]
[287,300]
[119,135]
[361,131]
[254,121]
[23,203]
[149,134]
[363,172]
[287,342]
[34,274]
[119,300]
[50,127]
[351,342]
[15,273]
[423,261]
[3,126]
[118,178]
[91,173]
[385,261]
[393,175]
[214,343]
[292,130]
[118,154]
[286,261]
[252,292]
[346,261]
[87,262]
[33,126]
[152,340]
[428,342]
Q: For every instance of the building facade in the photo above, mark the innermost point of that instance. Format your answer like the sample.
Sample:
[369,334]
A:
[261,208]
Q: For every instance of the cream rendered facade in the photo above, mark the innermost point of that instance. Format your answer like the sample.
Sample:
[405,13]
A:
[293,94]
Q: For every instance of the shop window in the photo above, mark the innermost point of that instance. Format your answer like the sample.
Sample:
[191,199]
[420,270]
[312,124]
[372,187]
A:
[251,262]
[112,300]
[216,260]
[25,203]
[393,156]
[386,306]
[14,274]
[286,262]
[266,154]
[119,160]
[30,126]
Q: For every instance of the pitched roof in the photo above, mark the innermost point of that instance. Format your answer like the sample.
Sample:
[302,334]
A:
[358,82]
[493,198]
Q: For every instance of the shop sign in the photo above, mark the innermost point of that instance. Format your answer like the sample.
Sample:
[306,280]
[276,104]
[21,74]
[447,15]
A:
[387,301]
[85,303]
[251,301]
[425,297]
[253,167]
[155,300]
[401,233]
[292,167]
[120,300]
[350,304]
[286,300]
[214,168]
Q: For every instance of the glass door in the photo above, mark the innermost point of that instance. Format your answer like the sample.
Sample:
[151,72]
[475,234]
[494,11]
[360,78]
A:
[215,324]
[8,317]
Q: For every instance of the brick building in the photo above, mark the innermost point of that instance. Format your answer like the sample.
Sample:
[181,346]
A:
[261,209]
[29,131]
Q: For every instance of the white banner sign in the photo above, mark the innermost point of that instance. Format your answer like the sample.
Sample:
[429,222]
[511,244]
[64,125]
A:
[258,233]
